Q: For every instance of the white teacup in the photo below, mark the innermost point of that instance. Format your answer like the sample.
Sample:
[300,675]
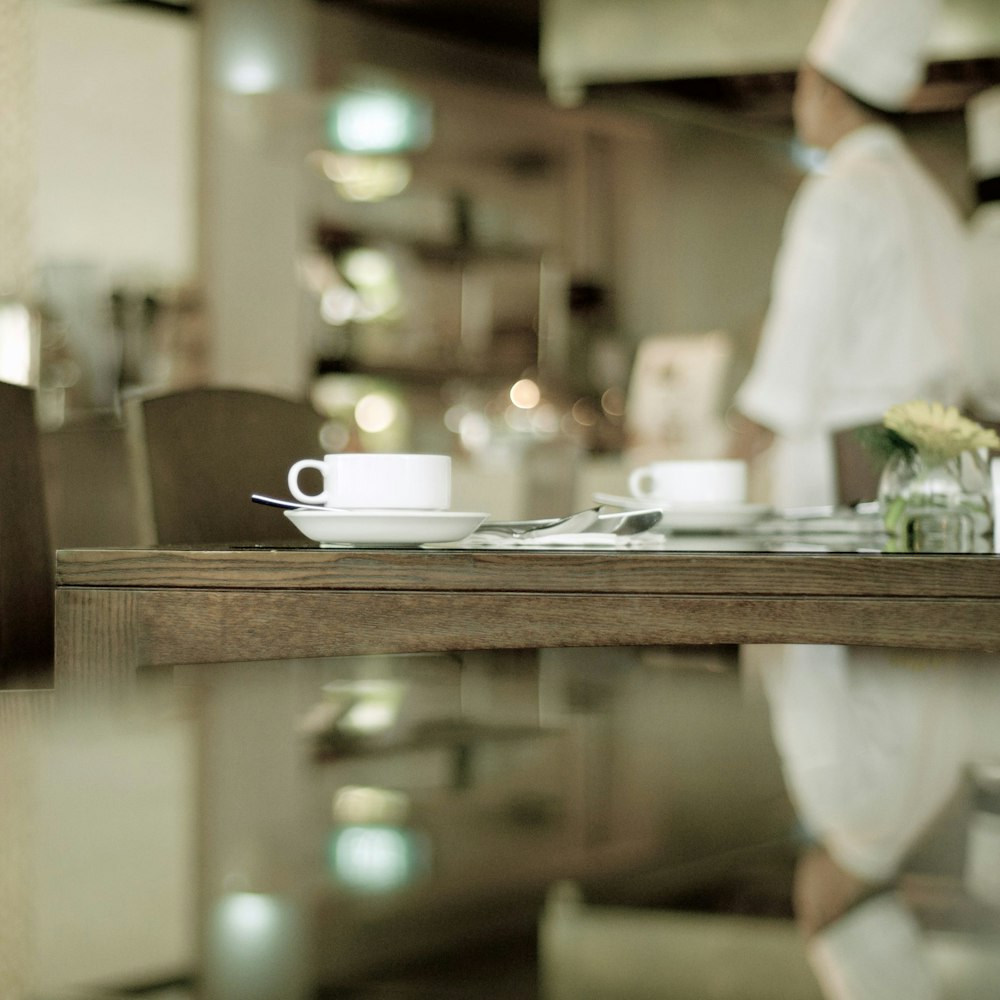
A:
[363,480]
[691,481]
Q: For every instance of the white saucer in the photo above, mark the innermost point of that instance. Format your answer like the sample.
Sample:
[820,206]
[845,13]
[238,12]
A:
[703,517]
[383,528]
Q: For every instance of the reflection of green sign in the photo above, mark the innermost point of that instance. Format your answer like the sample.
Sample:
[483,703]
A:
[378,121]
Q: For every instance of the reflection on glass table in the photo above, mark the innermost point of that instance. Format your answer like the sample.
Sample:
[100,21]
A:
[355,824]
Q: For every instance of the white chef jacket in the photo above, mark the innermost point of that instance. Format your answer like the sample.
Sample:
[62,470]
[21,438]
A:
[982,354]
[866,308]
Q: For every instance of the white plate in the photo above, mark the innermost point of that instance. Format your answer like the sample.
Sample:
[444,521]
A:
[704,517]
[383,528]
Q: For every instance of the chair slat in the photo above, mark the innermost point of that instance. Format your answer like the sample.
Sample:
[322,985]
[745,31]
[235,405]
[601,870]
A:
[26,558]
[198,454]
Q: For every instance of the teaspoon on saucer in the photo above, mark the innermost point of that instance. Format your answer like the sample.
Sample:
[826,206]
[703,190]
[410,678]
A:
[292,504]
[581,520]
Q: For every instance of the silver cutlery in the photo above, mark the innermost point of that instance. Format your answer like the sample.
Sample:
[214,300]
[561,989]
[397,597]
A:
[290,504]
[581,520]
[591,520]
[627,522]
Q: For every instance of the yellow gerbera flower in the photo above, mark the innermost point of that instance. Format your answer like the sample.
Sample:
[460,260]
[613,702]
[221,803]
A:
[938,432]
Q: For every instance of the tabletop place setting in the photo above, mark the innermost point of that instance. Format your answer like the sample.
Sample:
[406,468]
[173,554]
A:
[704,505]
[700,496]
[404,500]
[378,499]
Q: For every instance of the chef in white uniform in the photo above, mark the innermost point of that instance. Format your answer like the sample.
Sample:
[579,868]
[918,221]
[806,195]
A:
[867,294]
[982,116]
[867,310]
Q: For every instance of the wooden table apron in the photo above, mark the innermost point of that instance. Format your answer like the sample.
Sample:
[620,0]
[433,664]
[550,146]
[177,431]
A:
[118,610]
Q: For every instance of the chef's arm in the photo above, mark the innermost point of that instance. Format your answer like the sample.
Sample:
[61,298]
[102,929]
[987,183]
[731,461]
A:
[747,438]
[803,328]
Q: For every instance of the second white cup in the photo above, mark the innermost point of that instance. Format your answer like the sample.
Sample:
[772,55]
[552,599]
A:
[694,481]
[377,481]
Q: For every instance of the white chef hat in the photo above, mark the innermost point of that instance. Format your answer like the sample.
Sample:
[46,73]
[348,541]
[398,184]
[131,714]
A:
[982,121]
[874,49]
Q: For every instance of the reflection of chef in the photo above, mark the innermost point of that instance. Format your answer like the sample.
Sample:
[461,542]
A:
[867,307]
[983,353]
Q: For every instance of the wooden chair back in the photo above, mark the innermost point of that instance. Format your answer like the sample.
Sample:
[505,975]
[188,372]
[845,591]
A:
[26,564]
[87,485]
[196,456]
[857,471]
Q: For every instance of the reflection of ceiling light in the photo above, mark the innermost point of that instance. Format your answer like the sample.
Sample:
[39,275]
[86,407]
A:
[334,436]
[249,916]
[474,430]
[525,394]
[367,706]
[517,419]
[369,289]
[583,413]
[338,305]
[453,417]
[332,394]
[376,412]
[251,75]
[367,410]
[367,267]
[545,419]
[613,402]
[364,178]
[370,717]
[372,858]
[362,804]
[371,122]
[378,121]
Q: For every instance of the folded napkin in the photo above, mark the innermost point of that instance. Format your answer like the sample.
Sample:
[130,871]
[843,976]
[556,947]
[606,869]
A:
[484,539]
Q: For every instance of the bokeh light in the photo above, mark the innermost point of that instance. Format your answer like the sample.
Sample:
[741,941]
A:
[364,178]
[525,394]
[251,74]
[374,858]
[376,412]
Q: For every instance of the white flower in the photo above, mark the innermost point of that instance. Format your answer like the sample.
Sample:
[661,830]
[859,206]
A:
[936,431]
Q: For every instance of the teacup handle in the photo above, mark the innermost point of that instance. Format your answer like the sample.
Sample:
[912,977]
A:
[293,480]
[637,482]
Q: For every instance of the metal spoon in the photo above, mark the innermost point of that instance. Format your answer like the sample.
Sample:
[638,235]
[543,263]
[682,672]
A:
[579,521]
[292,504]
[629,522]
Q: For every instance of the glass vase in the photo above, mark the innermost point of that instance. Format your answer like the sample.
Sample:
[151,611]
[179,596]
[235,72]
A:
[930,504]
